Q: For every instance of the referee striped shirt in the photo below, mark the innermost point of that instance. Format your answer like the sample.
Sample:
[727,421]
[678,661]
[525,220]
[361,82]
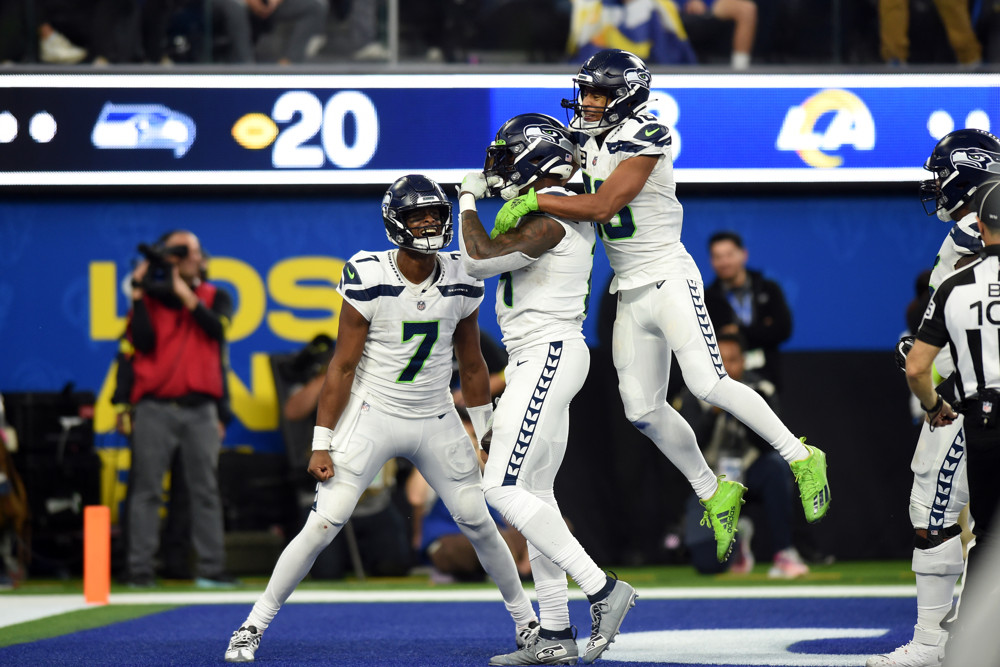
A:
[964,314]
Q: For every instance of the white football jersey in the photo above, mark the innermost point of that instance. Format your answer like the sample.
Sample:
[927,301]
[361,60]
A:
[963,240]
[643,241]
[548,299]
[406,364]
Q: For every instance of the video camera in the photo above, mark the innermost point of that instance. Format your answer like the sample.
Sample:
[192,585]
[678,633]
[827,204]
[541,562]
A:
[158,281]
[310,360]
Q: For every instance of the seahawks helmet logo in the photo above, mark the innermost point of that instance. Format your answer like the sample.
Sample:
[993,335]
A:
[548,134]
[976,158]
[637,76]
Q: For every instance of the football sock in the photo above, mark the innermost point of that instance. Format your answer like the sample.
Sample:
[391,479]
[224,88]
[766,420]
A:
[674,437]
[551,591]
[750,408]
[292,566]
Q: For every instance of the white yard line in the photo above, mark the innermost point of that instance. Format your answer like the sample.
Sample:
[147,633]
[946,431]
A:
[16,608]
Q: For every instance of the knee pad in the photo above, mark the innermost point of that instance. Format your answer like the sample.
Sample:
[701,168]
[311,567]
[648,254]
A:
[469,508]
[945,558]
[516,505]
[319,532]
[703,384]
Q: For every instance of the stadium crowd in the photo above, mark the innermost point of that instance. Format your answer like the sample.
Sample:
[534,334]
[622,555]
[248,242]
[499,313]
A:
[734,33]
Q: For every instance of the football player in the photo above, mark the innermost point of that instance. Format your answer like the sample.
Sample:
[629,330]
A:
[962,164]
[387,394]
[544,266]
[625,155]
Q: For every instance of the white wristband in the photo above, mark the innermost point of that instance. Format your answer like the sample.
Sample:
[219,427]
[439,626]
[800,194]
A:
[466,202]
[481,417]
[322,438]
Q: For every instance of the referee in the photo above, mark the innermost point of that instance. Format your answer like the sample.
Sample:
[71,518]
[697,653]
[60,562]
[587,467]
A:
[964,314]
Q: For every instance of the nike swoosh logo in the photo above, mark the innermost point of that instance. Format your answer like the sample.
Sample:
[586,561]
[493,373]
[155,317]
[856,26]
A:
[650,133]
[523,361]
[660,284]
[350,273]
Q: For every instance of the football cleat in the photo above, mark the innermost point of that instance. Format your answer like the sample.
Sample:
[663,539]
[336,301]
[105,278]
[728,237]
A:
[912,654]
[541,651]
[243,644]
[814,489]
[722,513]
[526,633]
[606,618]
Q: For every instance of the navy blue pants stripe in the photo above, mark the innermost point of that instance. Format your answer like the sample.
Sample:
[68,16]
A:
[531,414]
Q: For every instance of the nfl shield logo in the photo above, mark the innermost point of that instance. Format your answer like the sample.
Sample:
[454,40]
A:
[594,163]
[421,305]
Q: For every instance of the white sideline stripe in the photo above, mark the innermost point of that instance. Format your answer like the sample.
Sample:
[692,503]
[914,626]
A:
[22,608]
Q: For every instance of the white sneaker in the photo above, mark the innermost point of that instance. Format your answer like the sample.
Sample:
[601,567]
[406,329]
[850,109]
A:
[57,49]
[243,644]
[912,654]
[788,565]
[372,51]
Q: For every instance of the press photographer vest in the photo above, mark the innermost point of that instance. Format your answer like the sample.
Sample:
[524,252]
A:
[185,359]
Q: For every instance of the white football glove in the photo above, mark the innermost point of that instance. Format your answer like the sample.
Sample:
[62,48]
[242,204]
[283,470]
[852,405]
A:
[475,184]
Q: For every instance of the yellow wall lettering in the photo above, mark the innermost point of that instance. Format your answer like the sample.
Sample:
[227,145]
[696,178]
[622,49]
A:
[284,283]
[250,299]
[105,323]
[257,407]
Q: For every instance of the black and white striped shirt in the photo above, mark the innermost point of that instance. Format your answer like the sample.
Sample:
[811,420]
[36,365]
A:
[964,314]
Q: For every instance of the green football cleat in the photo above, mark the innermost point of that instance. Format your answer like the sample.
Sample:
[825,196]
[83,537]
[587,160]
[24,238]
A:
[810,475]
[722,512]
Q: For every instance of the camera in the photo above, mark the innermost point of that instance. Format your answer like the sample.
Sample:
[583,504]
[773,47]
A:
[310,360]
[158,281]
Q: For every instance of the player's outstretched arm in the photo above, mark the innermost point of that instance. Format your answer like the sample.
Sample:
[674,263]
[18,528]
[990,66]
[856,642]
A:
[613,195]
[351,337]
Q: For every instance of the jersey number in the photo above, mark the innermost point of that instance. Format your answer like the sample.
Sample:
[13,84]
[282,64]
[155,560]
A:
[508,288]
[429,330]
[621,228]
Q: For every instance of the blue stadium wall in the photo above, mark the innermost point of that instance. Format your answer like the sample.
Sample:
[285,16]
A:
[847,264]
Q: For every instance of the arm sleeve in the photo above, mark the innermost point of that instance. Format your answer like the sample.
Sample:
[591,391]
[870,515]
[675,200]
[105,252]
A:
[141,327]
[492,266]
[932,328]
[213,320]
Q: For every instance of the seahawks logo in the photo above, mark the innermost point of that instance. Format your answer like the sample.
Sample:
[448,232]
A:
[548,134]
[637,76]
[976,158]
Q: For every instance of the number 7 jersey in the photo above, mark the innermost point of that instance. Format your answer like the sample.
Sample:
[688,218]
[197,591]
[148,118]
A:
[643,241]
[406,364]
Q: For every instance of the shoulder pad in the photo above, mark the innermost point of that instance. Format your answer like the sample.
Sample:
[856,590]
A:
[359,267]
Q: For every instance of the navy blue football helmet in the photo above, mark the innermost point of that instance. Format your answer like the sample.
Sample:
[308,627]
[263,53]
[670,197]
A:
[620,76]
[528,147]
[411,193]
[962,162]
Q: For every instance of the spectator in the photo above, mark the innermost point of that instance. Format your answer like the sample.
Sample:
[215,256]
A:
[763,315]
[743,13]
[733,450]
[308,19]
[653,27]
[177,327]
[894,25]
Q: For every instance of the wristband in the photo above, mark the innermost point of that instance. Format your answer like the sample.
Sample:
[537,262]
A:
[937,406]
[466,202]
[481,417]
[322,438]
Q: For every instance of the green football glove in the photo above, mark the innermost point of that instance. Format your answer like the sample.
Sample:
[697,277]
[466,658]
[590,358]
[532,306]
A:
[512,211]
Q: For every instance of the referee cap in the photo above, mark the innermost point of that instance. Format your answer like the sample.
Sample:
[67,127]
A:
[989,208]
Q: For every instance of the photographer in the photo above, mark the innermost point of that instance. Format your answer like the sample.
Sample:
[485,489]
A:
[177,328]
